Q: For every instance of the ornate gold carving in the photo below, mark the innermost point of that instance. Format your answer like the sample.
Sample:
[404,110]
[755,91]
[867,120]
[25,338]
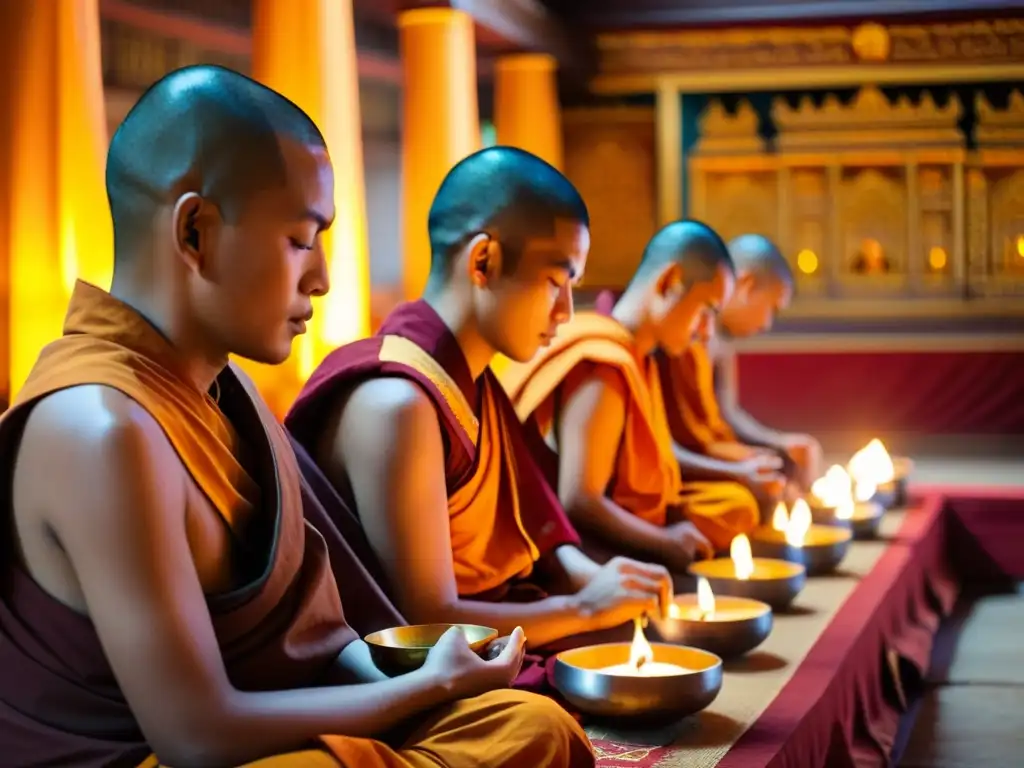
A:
[1000,127]
[610,157]
[724,133]
[997,41]
[875,221]
[977,222]
[871,42]
[870,120]
[1007,216]
[742,203]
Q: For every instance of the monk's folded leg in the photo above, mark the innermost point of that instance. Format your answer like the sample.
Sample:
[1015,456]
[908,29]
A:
[720,510]
[501,729]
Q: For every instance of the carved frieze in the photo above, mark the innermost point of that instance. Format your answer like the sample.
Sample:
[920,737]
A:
[870,45]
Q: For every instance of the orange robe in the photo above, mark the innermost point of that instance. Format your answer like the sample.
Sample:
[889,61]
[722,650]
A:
[691,401]
[646,479]
[282,629]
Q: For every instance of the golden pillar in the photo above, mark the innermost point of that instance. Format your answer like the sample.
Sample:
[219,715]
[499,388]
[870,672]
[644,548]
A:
[526,110]
[305,50]
[440,121]
[56,139]
[668,129]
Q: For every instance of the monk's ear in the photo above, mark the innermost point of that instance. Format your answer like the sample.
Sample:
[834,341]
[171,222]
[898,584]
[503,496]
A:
[669,284]
[484,261]
[193,220]
[745,284]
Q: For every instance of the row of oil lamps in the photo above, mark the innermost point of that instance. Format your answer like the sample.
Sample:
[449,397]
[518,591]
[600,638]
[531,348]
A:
[732,611]
[730,614]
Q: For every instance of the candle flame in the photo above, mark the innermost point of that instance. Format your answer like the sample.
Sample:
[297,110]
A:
[780,518]
[742,558]
[834,488]
[640,652]
[705,598]
[864,491]
[872,464]
[844,509]
[799,524]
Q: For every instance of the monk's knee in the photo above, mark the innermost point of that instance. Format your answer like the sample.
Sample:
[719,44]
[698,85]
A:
[560,742]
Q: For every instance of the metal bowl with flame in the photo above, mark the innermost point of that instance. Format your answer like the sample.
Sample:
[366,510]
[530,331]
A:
[873,464]
[835,499]
[399,650]
[775,582]
[793,537]
[638,679]
[727,626]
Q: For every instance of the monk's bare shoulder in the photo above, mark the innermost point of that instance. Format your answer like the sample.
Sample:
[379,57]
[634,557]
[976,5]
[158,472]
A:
[117,508]
[388,411]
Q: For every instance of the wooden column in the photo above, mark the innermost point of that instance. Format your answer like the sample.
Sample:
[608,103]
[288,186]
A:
[59,224]
[526,110]
[440,121]
[915,262]
[668,129]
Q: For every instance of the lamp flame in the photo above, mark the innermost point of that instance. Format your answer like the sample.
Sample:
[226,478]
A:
[640,651]
[780,518]
[844,509]
[833,488]
[864,491]
[705,599]
[742,558]
[799,524]
[872,464]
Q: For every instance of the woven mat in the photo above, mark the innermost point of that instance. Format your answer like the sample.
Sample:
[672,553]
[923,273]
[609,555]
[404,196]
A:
[750,683]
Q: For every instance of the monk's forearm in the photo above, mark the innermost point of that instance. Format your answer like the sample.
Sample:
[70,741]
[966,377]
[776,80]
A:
[260,724]
[543,621]
[695,466]
[606,519]
[749,430]
[356,663]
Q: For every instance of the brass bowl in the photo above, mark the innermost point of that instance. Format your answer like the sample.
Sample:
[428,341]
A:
[824,547]
[775,582]
[737,626]
[580,679]
[399,650]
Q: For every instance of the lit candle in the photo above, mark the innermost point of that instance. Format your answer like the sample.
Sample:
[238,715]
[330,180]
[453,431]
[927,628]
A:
[772,581]
[793,537]
[641,660]
[872,464]
[838,498]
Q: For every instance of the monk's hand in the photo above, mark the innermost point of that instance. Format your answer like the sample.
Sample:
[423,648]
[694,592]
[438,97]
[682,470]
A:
[763,472]
[683,544]
[806,453]
[623,589]
[461,672]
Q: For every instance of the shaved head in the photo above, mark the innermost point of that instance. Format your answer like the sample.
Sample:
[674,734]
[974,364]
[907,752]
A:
[505,192]
[758,256]
[202,129]
[694,246]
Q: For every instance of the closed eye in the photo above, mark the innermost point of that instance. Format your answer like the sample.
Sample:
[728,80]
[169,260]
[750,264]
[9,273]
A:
[301,246]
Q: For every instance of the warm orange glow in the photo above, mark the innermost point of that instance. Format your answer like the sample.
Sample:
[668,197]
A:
[675,612]
[742,557]
[872,464]
[526,111]
[440,120]
[937,259]
[833,488]
[807,261]
[1020,246]
[60,225]
[705,598]
[305,50]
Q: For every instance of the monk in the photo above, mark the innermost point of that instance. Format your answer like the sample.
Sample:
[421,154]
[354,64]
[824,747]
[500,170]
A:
[163,599]
[416,433]
[596,396]
[701,385]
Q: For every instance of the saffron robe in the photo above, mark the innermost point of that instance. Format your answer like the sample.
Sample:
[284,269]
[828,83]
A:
[646,479]
[283,628]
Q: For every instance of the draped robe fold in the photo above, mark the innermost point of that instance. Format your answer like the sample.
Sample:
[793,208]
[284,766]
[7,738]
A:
[282,628]
[646,479]
[504,516]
